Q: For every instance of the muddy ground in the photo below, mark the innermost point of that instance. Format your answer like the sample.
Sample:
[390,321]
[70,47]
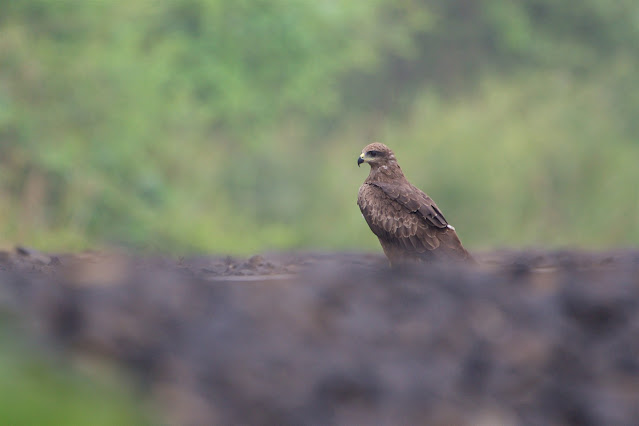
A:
[539,338]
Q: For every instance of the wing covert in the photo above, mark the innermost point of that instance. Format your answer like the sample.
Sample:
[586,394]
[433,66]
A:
[414,200]
[393,223]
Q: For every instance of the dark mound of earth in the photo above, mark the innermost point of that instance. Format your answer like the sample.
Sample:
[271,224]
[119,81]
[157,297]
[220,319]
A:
[532,337]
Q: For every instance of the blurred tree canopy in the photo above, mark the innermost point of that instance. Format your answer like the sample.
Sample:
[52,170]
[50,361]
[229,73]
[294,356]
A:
[233,127]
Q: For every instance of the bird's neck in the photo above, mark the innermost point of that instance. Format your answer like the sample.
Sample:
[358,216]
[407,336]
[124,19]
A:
[385,173]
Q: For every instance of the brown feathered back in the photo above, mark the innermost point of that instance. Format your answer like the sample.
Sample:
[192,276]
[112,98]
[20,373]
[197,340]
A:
[407,222]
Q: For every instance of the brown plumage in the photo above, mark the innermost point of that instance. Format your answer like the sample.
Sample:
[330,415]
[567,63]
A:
[408,223]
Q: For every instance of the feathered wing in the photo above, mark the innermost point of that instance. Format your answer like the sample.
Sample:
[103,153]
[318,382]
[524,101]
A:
[415,201]
[407,222]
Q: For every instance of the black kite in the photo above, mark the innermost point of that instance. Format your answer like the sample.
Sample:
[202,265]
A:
[408,223]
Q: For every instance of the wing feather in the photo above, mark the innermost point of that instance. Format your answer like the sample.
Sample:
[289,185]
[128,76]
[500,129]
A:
[415,200]
[398,228]
[407,222]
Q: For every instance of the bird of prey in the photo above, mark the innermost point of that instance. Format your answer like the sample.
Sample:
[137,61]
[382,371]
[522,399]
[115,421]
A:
[408,223]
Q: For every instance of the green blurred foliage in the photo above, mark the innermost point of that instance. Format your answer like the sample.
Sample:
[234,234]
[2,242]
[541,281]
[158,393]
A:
[36,391]
[233,127]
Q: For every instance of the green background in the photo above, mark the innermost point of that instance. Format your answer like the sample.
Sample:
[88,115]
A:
[234,126]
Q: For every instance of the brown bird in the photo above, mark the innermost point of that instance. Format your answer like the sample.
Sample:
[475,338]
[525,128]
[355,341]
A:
[408,223]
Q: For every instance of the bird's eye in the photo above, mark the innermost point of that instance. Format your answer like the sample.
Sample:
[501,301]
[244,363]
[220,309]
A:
[372,153]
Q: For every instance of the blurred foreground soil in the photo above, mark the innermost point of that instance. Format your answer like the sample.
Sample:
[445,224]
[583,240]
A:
[540,338]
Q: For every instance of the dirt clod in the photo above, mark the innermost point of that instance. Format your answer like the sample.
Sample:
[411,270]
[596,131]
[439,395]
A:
[523,338]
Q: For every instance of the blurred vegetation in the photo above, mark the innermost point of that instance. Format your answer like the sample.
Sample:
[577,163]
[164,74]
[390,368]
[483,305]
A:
[233,127]
[36,391]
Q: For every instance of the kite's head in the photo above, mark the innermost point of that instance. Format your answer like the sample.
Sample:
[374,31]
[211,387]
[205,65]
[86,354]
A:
[376,154]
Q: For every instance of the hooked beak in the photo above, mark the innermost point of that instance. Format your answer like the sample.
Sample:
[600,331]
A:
[360,160]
